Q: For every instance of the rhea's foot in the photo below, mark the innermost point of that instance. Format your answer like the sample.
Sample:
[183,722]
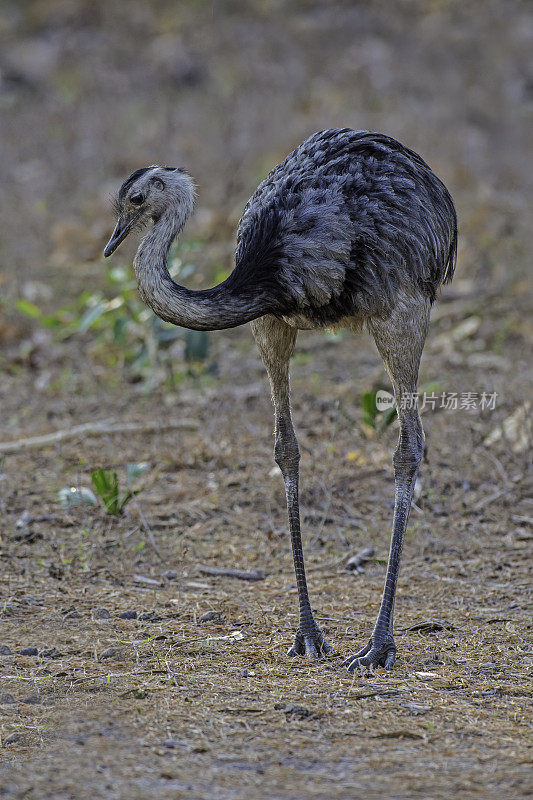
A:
[379,652]
[311,644]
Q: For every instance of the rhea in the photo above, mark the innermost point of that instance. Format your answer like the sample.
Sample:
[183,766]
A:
[351,230]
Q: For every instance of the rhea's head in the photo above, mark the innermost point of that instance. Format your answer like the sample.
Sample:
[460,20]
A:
[146,195]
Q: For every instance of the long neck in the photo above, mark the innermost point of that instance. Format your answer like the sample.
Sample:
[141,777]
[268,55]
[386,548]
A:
[223,306]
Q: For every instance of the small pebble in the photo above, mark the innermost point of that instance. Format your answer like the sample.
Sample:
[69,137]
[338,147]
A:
[170,575]
[111,652]
[211,616]
[150,616]
[294,710]
[128,615]
[72,613]
[27,535]
[172,743]
[32,699]
[24,520]
[357,562]
[417,708]
[56,571]
[248,673]
[200,748]
[31,600]
[12,738]
[102,613]
[4,650]
[50,652]
[29,651]
[6,699]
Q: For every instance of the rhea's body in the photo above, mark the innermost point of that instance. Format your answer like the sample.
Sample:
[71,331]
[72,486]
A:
[346,225]
[351,228]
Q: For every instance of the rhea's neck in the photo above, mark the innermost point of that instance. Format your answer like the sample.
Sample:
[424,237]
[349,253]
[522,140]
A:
[223,306]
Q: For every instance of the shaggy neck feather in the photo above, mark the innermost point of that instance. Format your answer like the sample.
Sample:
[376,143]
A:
[206,310]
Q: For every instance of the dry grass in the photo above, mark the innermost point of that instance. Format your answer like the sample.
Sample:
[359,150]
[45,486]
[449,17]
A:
[451,717]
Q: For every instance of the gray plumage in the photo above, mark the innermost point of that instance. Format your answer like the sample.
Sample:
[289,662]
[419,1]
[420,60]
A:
[348,220]
[351,228]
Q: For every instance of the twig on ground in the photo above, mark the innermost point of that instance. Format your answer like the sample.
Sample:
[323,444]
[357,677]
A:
[106,428]
[485,501]
[240,574]
[356,562]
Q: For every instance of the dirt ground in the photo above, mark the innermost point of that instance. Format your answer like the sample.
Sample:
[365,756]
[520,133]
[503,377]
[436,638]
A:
[126,669]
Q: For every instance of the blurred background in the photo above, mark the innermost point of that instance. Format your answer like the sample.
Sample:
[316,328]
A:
[91,90]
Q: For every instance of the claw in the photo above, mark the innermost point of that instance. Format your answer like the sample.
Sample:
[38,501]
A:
[375,654]
[312,645]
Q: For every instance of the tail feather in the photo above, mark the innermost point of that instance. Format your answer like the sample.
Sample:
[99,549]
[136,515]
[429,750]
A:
[451,259]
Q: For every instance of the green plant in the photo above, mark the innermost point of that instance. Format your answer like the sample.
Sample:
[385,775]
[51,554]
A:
[128,336]
[372,416]
[107,486]
[105,482]
[379,420]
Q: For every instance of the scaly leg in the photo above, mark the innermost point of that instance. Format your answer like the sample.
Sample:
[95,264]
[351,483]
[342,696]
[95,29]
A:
[275,340]
[400,341]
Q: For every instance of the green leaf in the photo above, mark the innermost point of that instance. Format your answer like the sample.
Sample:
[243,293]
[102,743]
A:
[28,308]
[428,388]
[105,483]
[126,497]
[60,319]
[136,469]
[367,401]
[164,334]
[120,326]
[72,496]
[196,345]
[387,418]
[221,274]
[90,316]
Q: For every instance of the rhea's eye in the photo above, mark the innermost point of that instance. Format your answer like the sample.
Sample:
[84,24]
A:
[158,183]
[137,199]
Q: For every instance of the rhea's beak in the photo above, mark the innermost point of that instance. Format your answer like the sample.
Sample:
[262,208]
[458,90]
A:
[122,228]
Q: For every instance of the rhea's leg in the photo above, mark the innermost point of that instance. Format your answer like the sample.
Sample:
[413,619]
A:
[275,340]
[400,341]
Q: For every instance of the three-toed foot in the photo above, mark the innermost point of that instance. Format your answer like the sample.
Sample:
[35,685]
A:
[379,652]
[311,644]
